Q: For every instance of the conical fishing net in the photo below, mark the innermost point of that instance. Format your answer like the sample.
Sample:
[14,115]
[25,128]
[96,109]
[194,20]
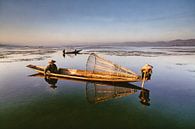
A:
[98,65]
[97,92]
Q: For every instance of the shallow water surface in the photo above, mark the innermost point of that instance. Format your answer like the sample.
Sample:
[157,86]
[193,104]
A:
[34,102]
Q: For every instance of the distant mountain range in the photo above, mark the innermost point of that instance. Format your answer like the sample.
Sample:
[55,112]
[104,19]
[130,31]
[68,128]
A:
[8,45]
[178,42]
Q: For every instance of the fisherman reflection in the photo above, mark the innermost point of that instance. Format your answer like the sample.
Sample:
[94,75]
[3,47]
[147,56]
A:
[144,97]
[52,82]
[64,51]
[64,55]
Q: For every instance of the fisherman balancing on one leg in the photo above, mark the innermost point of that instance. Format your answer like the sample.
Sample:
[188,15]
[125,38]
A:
[146,71]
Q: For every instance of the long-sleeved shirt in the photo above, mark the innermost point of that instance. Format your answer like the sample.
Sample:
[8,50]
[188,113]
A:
[52,68]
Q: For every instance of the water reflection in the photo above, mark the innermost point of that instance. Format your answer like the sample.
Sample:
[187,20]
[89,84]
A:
[97,92]
[100,92]
[52,82]
[71,55]
[144,97]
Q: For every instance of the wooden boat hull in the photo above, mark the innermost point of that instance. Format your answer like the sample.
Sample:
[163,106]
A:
[117,84]
[85,75]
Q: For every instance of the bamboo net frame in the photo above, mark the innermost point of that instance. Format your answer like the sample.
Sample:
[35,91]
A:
[98,65]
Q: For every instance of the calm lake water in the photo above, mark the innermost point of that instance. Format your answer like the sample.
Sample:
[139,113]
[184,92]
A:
[28,102]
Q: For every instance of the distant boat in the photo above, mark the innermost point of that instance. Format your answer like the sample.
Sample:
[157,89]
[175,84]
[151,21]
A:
[72,52]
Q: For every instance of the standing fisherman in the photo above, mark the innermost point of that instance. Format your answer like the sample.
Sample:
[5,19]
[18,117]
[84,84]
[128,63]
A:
[146,71]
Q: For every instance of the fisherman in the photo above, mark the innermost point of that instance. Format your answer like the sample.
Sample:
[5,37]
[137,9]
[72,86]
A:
[51,67]
[64,51]
[146,71]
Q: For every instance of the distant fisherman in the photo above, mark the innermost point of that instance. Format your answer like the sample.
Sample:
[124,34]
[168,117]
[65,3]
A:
[146,71]
[51,67]
[64,51]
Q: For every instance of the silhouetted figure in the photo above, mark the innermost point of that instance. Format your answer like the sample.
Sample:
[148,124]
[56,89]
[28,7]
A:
[52,82]
[75,52]
[64,51]
[144,97]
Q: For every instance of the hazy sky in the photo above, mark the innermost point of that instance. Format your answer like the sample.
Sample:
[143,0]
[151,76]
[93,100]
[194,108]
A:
[79,21]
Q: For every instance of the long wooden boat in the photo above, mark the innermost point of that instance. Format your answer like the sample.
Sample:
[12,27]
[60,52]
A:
[87,75]
[115,84]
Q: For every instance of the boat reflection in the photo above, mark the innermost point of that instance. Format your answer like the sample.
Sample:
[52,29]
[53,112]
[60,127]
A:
[69,55]
[50,80]
[98,92]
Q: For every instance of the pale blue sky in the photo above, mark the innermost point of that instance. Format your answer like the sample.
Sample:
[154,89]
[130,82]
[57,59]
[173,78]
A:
[80,21]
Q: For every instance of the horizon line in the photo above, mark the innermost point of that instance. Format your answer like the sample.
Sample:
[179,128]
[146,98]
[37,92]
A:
[92,43]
